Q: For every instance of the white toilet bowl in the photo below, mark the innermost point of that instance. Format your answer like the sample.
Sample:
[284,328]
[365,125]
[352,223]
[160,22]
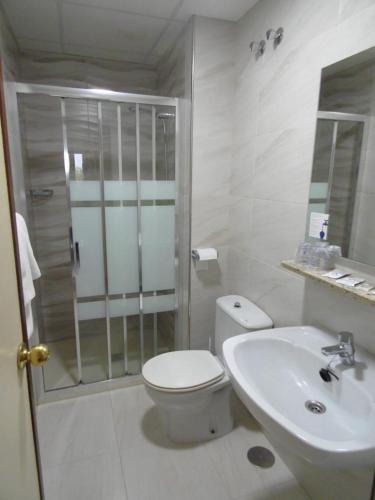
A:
[192,392]
[191,388]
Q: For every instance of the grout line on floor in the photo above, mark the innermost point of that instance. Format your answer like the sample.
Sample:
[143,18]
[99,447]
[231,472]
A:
[122,465]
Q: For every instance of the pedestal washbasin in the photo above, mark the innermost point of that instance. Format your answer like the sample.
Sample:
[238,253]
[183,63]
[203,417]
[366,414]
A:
[276,374]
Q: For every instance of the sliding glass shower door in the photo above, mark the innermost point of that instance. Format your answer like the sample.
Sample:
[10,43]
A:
[101,185]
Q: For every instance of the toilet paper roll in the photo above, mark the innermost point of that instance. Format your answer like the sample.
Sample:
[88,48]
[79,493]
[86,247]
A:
[204,254]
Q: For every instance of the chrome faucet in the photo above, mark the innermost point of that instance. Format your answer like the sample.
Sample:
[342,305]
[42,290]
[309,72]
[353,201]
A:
[345,349]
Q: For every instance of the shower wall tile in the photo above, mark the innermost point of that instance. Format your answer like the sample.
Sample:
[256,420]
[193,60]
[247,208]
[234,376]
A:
[88,73]
[9,51]
[171,69]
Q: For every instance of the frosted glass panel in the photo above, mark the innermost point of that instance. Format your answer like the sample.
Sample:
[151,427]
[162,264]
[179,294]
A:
[123,307]
[87,231]
[91,310]
[159,303]
[85,190]
[317,207]
[318,190]
[122,190]
[118,190]
[158,190]
[158,247]
[122,249]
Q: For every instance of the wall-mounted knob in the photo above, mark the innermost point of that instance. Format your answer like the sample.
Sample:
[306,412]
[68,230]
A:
[37,356]
[258,47]
[275,35]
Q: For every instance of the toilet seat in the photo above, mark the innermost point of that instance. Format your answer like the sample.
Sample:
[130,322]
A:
[182,371]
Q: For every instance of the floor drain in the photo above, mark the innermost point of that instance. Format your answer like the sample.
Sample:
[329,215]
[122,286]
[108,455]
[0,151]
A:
[260,456]
[315,407]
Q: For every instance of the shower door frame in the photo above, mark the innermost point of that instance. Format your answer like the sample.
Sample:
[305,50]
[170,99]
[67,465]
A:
[137,99]
[340,116]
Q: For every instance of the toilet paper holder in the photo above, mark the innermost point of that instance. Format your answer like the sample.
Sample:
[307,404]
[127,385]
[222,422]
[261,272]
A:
[196,254]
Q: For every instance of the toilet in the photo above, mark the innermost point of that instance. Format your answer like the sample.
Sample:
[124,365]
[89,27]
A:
[191,388]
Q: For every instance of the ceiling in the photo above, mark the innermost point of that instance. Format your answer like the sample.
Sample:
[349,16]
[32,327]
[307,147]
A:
[123,30]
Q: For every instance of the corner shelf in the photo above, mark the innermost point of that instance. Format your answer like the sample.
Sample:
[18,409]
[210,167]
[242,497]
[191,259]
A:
[318,276]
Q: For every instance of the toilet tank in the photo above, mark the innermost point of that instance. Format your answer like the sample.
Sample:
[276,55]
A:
[236,315]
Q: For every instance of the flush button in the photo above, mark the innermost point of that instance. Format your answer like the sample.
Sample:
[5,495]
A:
[237,304]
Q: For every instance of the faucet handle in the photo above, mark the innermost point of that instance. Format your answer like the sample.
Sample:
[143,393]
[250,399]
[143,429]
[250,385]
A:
[346,338]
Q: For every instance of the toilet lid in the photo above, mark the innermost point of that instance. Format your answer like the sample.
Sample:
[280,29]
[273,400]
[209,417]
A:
[182,370]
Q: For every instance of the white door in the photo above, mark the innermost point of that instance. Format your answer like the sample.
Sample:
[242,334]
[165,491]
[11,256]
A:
[18,464]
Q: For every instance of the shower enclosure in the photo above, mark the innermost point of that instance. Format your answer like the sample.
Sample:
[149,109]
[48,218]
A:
[339,151]
[101,176]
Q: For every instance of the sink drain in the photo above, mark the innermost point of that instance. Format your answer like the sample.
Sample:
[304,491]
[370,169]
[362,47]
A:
[261,456]
[315,407]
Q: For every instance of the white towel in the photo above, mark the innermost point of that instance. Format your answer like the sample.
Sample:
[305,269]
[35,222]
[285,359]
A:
[29,270]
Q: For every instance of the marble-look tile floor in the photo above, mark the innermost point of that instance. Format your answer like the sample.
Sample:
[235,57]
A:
[110,446]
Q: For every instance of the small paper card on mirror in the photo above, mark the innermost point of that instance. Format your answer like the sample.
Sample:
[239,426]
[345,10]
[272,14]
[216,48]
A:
[318,225]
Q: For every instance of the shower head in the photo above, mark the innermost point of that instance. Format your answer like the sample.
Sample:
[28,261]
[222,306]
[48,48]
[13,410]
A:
[165,116]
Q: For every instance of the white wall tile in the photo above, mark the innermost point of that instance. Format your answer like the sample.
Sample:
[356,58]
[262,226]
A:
[276,100]
[350,8]
[213,89]
[282,165]
[242,171]
[276,229]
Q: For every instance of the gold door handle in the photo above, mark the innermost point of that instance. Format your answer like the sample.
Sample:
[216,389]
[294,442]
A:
[37,356]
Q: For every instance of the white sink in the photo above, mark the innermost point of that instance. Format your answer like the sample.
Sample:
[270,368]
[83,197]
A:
[274,372]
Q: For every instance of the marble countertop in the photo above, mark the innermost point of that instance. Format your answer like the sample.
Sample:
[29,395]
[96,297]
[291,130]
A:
[318,276]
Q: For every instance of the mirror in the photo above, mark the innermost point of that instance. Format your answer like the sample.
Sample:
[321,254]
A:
[342,191]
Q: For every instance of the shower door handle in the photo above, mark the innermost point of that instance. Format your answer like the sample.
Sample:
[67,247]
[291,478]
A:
[77,257]
[74,252]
